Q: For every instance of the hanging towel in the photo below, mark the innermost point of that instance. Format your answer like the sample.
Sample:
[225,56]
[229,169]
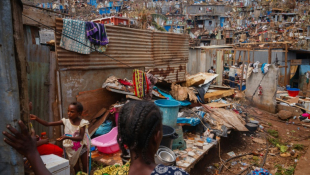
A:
[255,65]
[96,33]
[74,29]
[140,83]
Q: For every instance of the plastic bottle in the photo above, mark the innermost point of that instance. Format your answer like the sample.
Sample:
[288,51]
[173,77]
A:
[43,135]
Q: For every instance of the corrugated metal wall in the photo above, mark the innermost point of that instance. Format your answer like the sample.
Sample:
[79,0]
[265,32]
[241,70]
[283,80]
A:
[38,58]
[164,54]
[11,161]
[201,60]
[170,56]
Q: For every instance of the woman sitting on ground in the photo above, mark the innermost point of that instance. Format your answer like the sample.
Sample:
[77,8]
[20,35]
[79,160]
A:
[140,130]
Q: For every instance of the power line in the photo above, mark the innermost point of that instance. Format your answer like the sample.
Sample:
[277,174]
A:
[92,48]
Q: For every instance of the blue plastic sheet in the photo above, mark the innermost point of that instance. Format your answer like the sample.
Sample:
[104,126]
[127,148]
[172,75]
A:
[104,128]
[191,121]
[169,97]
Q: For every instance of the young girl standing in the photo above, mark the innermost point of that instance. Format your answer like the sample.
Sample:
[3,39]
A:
[75,139]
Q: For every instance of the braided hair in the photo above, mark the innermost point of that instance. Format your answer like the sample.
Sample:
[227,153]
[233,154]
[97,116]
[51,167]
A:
[136,125]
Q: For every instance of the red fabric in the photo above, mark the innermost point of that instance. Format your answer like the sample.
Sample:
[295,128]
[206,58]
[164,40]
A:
[126,83]
[47,149]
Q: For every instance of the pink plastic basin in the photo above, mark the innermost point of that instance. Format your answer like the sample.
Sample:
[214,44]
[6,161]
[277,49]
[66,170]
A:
[107,143]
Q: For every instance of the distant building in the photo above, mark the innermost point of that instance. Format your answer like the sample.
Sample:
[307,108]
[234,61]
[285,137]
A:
[207,17]
[113,20]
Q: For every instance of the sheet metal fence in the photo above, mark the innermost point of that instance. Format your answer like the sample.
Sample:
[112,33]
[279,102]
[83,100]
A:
[163,54]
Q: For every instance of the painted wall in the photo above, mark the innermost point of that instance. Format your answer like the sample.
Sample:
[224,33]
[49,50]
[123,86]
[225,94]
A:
[268,81]
[262,57]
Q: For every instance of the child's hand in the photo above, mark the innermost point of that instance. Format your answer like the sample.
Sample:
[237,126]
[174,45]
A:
[37,137]
[33,117]
[60,139]
[23,142]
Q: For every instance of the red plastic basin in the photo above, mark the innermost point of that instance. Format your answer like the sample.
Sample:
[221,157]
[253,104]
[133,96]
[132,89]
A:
[293,92]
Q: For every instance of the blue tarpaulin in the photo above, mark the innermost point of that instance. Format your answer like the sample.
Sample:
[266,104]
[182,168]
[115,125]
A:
[191,121]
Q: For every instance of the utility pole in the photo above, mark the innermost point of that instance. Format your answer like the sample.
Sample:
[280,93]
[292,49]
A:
[10,161]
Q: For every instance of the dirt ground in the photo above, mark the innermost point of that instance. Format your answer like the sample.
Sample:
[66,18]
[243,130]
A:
[276,135]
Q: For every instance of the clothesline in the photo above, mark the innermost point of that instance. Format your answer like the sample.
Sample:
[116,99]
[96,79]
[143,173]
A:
[75,40]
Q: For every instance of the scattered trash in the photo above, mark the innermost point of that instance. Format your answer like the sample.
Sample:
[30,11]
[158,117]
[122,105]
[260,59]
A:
[233,163]
[209,140]
[231,154]
[260,141]
[243,164]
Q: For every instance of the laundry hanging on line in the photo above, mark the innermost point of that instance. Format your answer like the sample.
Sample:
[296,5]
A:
[83,37]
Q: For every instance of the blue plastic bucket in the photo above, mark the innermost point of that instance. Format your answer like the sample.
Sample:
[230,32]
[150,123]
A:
[170,110]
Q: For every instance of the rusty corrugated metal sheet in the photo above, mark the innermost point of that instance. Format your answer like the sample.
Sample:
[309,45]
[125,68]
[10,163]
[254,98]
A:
[164,54]
[170,73]
[38,58]
[131,46]
[171,53]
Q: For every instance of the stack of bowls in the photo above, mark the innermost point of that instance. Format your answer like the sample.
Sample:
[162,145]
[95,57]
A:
[165,156]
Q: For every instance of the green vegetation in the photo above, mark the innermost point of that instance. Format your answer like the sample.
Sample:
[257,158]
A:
[270,124]
[275,142]
[298,146]
[282,171]
[273,133]
[255,161]
[282,148]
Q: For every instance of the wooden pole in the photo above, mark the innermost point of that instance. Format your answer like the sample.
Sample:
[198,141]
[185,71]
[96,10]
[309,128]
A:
[20,59]
[11,161]
[269,56]
[249,56]
[235,52]
[243,56]
[285,74]
[242,70]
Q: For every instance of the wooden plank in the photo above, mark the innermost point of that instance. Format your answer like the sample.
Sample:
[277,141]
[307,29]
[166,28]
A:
[20,60]
[96,122]
[231,118]
[199,158]
[218,105]
[38,15]
[218,94]
[93,101]
[278,99]
[296,62]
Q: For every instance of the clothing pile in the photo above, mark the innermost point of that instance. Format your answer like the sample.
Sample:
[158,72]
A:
[83,37]
[141,85]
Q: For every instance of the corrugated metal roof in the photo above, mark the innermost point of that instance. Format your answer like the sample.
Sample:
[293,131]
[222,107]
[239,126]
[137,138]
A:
[164,54]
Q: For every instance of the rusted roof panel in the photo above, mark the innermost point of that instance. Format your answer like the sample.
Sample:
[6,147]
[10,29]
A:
[130,46]
[165,54]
